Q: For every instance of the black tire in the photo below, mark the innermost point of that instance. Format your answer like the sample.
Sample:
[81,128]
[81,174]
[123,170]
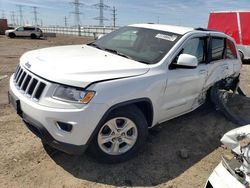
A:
[241,55]
[136,116]
[239,90]
[33,36]
[12,35]
[217,96]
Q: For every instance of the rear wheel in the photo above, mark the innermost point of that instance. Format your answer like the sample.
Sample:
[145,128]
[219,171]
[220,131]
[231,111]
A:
[12,35]
[121,136]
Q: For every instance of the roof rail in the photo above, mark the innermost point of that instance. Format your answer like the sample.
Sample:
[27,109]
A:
[203,29]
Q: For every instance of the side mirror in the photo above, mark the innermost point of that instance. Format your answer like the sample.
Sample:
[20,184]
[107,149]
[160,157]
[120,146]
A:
[100,36]
[188,61]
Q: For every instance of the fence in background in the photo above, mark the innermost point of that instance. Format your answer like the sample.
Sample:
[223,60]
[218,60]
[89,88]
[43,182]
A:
[80,31]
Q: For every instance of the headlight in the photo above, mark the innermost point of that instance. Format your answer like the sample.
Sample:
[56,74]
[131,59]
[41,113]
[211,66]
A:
[72,94]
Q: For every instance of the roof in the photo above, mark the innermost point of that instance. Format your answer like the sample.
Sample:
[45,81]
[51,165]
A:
[169,28]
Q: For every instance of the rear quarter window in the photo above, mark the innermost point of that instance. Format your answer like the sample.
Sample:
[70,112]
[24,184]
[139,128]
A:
[231,52]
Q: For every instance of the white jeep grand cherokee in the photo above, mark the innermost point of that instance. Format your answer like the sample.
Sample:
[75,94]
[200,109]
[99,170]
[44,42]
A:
[105,95]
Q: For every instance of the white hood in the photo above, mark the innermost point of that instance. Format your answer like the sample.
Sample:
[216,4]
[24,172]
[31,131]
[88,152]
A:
[80,65]
[9,30]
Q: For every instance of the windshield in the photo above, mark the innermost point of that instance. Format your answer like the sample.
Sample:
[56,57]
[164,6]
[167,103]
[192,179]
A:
[144,45]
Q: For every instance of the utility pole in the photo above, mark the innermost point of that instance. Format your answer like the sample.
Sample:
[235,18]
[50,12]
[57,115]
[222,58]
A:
[21,21]
[101,6]
[158,19]
[65,21]
[114,16]
[35,15]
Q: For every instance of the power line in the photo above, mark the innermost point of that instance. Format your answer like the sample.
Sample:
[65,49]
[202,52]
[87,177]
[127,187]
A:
[77,12]
[35,15]
[114,14]
[101,6]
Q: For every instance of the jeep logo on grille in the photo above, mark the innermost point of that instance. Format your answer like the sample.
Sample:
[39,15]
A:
[27,65]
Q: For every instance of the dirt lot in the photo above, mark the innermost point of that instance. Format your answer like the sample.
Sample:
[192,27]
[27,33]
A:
[25,163]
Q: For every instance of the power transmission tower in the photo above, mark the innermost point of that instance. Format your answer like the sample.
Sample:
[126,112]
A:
[21,21]
[77,12]
[13,20]
[114,14]
[65,21]
[101,6]
[35,15]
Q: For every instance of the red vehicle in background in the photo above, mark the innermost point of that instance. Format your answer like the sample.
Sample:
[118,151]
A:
[235,24]
[3,26]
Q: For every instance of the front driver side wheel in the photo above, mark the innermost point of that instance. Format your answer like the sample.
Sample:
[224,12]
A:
[121,136]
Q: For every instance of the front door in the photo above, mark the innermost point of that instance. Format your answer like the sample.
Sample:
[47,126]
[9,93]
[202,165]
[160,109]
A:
[19,31]
[184,85]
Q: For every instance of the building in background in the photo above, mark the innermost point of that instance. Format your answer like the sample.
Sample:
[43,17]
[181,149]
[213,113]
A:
[3,26]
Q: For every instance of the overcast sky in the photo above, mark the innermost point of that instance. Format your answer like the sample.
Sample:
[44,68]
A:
[192,13]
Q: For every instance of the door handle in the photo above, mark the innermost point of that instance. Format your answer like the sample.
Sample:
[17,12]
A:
[202,71]
[225,67]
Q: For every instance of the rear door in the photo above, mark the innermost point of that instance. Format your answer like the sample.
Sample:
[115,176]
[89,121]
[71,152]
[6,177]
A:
[28,31]
[222,57]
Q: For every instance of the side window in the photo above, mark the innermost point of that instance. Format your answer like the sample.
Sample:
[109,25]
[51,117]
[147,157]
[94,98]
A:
[20,29]
[217,48]
[195,47]
[29,29]
[231,52]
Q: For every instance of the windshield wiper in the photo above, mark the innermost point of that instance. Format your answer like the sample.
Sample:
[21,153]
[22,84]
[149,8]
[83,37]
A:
[145,62]
[109,50]
[115,52]
[96,46]
[118,53]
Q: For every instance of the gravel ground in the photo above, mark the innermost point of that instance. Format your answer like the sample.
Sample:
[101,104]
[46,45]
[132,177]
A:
[25,163]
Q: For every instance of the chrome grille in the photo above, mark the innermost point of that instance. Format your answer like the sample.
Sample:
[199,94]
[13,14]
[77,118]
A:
[28,84]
